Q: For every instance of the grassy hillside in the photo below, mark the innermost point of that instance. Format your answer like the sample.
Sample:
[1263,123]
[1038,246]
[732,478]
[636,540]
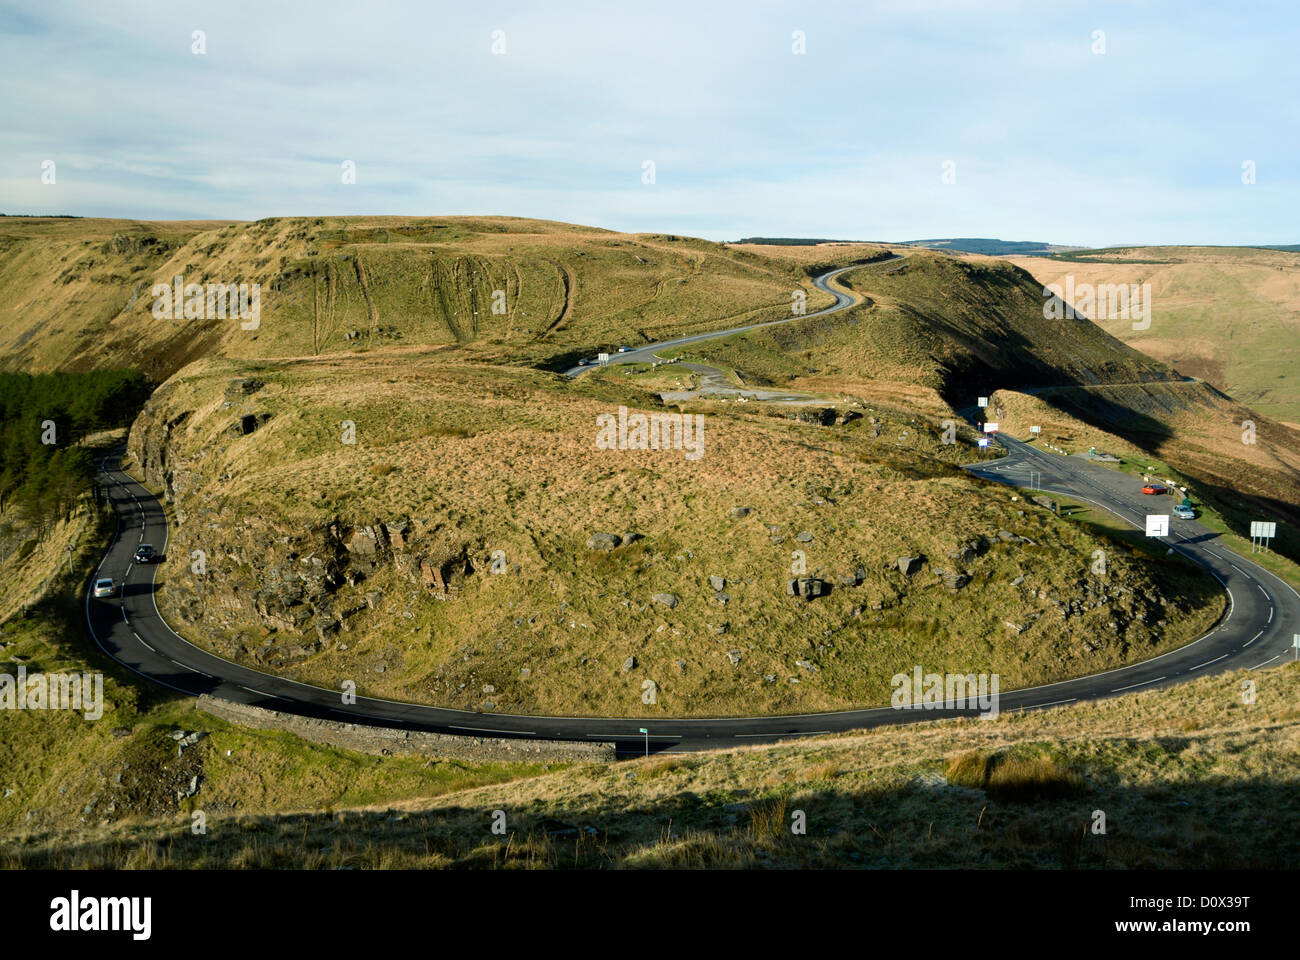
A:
[958,327]
[373,560]
[77,294]
[1189,778]
[1229,315]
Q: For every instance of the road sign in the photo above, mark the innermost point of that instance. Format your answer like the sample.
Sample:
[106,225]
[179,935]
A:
[603,358]
[984,441]
[1295,642]
[1035,430]
[1157,524]
[990,428]
[646,731]
[983,401]
[1261,531]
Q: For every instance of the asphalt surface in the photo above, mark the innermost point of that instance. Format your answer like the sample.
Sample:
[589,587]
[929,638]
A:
[1255,633]
[647,353]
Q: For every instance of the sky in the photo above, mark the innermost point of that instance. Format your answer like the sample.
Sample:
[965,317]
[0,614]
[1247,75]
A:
[1082,123]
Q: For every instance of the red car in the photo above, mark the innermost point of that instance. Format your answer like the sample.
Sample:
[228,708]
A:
[1153,488]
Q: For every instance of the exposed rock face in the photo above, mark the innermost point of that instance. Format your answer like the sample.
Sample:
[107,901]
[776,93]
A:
[293,585]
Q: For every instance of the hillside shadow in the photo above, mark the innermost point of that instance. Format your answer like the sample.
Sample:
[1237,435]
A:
[926,823]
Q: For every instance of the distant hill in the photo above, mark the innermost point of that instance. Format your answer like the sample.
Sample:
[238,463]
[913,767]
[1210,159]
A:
[1226,314]
[790,241]
[993,248]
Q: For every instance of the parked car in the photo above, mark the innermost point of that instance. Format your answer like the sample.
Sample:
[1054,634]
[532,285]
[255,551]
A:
[624,349]
[104,588]
[1155,488]
[583,361]
[144,553]
[1183,512]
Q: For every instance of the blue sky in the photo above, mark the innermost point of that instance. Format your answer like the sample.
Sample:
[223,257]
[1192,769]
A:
[1048,140]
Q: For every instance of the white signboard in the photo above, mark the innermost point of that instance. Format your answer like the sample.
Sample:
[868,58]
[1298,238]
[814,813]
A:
[984,442]
[1035,430]
[1258,528]
[1157,524]
[990,428]
[983,401]
[603,358]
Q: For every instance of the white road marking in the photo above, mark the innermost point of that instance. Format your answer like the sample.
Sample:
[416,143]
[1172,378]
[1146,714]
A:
[526,733]
[1265,663]
[1252,640]
[261,693]
[1051,703]
[1142,684]
[793,733]
[1205,664]
[1270,614]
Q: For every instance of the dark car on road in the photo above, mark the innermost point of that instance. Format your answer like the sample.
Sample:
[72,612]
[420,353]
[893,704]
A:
[144,553]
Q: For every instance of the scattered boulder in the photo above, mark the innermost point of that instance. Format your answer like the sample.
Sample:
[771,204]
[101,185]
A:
[805,537]
[807,587]
[717,583]
[629,664]
[739,513]
[243,387]
[734,657]
[909,565]
[247,424]
[603,541]
[668,600]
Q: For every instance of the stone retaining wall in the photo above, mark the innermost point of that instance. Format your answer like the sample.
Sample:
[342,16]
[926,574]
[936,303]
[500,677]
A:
[386,741]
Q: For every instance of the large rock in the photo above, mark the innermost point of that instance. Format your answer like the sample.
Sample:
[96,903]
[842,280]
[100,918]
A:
[603,541]
[806,587]
[909,565]
[668,600]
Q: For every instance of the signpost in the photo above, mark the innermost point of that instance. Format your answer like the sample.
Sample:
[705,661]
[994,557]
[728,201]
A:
[990,428]
[1157,524]
[1295,643]
[1260,533]
[603,358]
[646,731]
[982,401]
[1035,430]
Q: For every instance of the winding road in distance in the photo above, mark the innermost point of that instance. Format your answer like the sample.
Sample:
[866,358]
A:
[843,300]
[1256,631]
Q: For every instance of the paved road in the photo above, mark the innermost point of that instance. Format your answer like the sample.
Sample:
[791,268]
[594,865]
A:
[1255,633]
[843,300]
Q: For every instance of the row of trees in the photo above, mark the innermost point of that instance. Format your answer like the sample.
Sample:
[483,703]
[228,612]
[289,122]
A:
[43,419]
